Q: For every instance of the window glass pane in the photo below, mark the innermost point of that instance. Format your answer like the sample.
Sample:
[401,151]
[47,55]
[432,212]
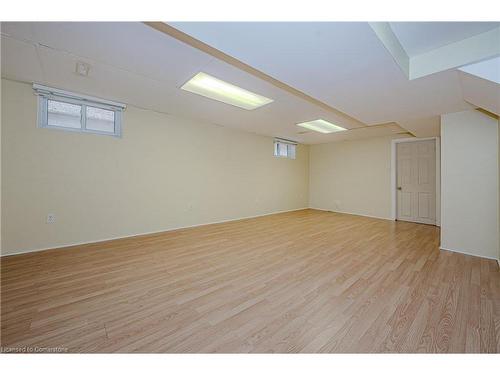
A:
[282,149]
[63,114]
[100,119]
[285,150]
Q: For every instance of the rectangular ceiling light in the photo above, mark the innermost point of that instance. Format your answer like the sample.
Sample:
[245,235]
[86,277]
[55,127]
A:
[213,88]
[321,126]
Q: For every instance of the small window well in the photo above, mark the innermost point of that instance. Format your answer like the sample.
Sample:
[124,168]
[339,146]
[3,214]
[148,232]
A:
[59,109]
[284,148]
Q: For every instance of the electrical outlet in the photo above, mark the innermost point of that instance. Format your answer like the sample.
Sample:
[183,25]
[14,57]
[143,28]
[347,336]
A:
[51,218]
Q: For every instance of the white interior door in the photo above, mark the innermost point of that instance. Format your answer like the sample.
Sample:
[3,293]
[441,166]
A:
[416,181]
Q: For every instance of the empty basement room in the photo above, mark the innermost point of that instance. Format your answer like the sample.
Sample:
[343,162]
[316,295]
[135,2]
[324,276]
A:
[250,187]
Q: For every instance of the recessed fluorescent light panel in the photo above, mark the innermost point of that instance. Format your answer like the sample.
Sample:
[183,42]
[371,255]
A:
[213,88]
[321,126]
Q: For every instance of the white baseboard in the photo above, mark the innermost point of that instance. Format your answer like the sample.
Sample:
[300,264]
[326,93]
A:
[147,233]
[469,253]
[351,213]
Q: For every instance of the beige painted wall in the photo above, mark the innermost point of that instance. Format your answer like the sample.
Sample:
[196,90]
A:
[352,176]
[164,173]
[1,82]
[469,183]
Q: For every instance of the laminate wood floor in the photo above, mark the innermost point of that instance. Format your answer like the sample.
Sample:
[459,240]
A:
[304,281]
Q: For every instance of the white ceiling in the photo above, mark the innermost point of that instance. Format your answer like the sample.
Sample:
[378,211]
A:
[342,64]
[481,92]
[135,64]
[421,37]
[488,69]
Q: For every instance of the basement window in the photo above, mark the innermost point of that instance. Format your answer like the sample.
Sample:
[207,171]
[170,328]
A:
[59,109]
[284,148]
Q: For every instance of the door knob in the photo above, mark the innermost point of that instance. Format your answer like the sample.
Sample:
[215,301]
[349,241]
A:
[400,188]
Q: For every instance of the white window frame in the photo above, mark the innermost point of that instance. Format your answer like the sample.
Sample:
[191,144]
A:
[279,141]
[46,93]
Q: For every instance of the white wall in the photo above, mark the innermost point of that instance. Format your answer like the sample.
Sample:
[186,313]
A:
[165,172]
[352,176]
[469,183]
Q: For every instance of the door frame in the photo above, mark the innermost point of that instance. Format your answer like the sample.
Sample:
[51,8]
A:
[394,142]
